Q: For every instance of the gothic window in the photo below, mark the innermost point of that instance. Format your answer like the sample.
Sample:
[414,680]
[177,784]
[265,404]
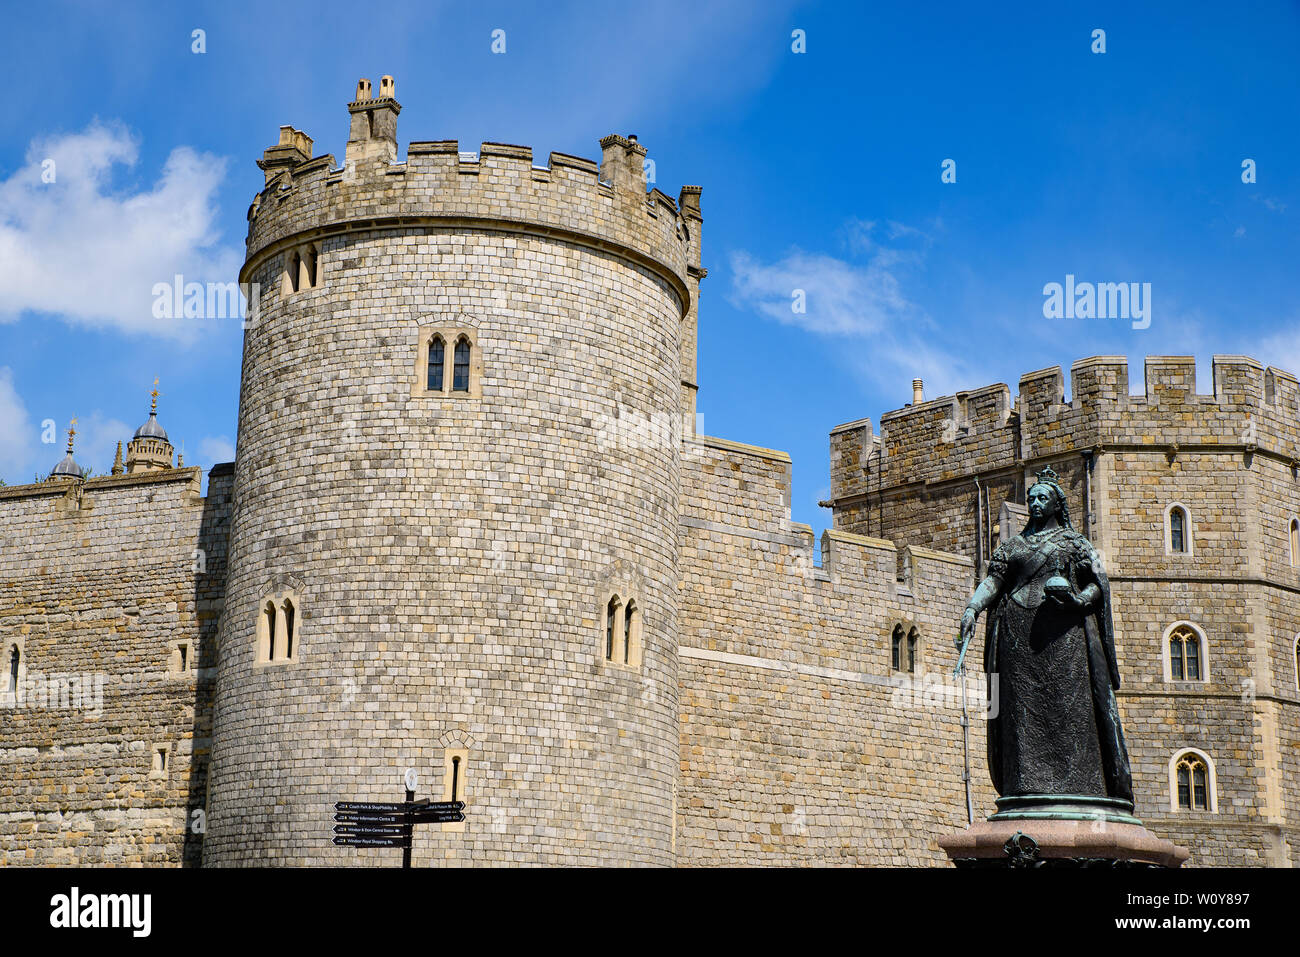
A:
[269,625]
[437,359]
[611,620]
[293,271]
[460,367]
[447,363]
[630,625]
[287,608]
[309,268]
[1295,542]
[1192,782]
[896,649]
[277,628]
[912,641]
[1186,647]
[15,659]
[622,631]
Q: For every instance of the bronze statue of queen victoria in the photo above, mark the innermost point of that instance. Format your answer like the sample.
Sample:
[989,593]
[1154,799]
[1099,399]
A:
[1050,640]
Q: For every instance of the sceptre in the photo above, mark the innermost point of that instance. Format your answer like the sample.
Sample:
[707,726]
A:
[960,673]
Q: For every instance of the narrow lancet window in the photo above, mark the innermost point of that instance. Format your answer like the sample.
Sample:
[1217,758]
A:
[437,359]
[460,369]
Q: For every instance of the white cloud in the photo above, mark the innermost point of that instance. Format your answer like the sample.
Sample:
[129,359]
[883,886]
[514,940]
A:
[1281,349]
[17,433]
[78,249]
[840,298]
[215,449]
[865,300]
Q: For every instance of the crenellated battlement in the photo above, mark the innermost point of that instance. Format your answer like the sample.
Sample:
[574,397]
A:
[1250,408]
[742,492]
[603,204]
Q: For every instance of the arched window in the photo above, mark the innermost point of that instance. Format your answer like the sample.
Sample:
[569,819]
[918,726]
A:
[437,359]
[629,618]
[1186,657]
[1295,542]
[1178,530]
[611,619]
[455,780]
[1192,782]
[911,651]
[288,628]
[460,366]
[15,659]
[896,649]
[1297,662]
[293,270]
[309,268]
[270,630]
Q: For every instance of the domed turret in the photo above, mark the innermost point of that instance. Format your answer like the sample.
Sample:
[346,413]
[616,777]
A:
[68,467]
[149,450]
[151,429]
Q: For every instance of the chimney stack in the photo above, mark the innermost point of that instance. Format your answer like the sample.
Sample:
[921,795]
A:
[918,392]
[621,164]
[373,137]
[294,148]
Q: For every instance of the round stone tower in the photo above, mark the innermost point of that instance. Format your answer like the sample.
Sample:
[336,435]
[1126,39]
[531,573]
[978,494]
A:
[455,537]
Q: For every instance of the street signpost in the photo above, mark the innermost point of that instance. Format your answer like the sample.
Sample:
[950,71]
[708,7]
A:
[390,823]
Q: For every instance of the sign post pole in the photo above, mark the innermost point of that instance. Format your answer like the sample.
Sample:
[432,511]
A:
[411,780]
[406,816]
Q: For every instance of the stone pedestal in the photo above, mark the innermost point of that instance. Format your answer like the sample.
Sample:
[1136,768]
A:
[1061,831]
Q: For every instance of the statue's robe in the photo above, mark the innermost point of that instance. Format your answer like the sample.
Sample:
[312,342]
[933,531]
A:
[1056,728]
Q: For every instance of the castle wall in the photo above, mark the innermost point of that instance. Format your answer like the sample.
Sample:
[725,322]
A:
[797,745]
[453,554]
[98,582]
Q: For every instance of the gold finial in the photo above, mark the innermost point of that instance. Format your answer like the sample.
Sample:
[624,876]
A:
[153,408]
[72,430]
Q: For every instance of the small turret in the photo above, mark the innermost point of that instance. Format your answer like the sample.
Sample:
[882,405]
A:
[68,467]
[149,450]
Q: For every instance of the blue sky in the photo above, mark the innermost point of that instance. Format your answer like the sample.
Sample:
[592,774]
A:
[821,171]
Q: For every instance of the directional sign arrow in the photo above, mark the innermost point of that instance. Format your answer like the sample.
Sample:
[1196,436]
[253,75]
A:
[346,840]
[356,817]
[437,817]
[381,807]
[376,829]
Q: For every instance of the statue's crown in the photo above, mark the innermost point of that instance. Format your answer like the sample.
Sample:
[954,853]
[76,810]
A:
[1048,474]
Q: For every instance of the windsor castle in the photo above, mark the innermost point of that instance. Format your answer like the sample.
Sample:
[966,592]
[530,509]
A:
[471,530]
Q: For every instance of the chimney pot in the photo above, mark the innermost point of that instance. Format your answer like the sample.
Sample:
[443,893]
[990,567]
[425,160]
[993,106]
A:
[918,392]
